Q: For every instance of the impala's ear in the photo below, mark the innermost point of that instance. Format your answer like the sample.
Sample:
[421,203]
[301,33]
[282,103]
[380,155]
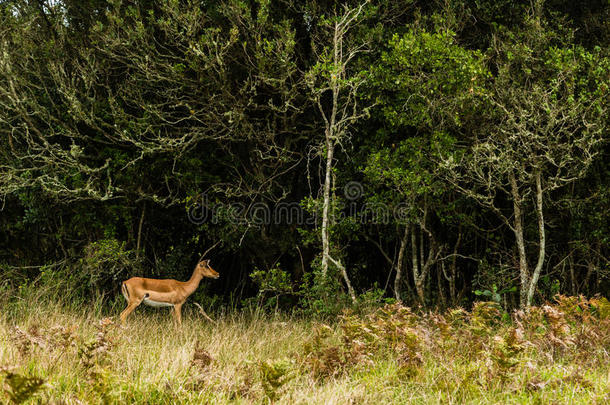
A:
[207,262]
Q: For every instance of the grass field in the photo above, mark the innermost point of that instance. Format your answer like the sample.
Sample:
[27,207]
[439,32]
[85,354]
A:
[554,354]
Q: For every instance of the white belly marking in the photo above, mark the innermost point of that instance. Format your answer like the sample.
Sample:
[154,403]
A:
[157,304]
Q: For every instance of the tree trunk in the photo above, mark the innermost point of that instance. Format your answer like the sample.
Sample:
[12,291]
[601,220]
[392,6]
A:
[453,271]
[140,230]
[541,242]
[326,206]
[330,144]
[401,254]
[439,282]
[518,230]
[421,248]
[415,265]
[425,269]
[572,276]
[350,289]
[586,281]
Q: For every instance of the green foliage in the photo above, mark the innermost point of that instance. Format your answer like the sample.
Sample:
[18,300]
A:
[274,280]
[95,350]
[107,262]
[321,294]
[177,262]
[427,81]
[505,351]
[20,387]
[104,265]
[434,80]
[372,299]
[494,294]
[601,306]
[272,284]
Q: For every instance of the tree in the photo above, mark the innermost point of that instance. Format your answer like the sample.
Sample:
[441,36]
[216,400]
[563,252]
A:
[115,115]
[425,85]
[333,77]
[83,114]
[542,130]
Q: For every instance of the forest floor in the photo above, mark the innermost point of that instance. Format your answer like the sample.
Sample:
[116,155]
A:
[554,354]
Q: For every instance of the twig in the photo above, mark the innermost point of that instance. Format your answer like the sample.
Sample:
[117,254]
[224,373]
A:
[204,314]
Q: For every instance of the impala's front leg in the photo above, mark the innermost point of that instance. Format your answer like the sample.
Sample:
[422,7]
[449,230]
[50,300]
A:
[178,313]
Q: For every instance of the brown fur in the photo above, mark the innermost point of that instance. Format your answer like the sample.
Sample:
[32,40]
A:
[168,292]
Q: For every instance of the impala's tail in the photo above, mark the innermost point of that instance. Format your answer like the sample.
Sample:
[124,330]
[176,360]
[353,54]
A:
[125,291]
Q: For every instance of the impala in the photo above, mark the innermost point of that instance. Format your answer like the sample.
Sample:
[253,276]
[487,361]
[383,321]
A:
[164,293]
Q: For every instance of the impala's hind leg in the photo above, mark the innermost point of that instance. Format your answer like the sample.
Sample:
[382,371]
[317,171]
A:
[132,303]
[130,308]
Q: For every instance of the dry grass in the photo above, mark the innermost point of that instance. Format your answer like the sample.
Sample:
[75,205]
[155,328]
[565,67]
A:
[392,356]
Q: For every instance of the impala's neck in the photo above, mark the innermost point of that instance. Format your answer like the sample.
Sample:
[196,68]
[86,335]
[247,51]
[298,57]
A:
[193,282]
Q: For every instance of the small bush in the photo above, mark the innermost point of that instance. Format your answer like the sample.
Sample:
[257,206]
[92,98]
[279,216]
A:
[106,263]
[273,284]
[321,294]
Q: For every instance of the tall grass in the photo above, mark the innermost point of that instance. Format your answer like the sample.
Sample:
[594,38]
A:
[390,356]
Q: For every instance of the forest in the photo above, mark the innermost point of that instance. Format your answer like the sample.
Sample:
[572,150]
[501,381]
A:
[343,162]
[426,151]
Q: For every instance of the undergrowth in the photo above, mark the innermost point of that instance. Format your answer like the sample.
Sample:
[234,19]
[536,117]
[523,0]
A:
[556,353]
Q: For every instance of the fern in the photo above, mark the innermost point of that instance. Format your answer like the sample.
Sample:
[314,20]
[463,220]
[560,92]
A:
[274,375]
[20,387]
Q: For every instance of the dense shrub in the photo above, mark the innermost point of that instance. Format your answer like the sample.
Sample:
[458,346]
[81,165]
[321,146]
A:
[96,275]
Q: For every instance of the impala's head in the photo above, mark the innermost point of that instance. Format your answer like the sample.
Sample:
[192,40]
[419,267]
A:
[206,270]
